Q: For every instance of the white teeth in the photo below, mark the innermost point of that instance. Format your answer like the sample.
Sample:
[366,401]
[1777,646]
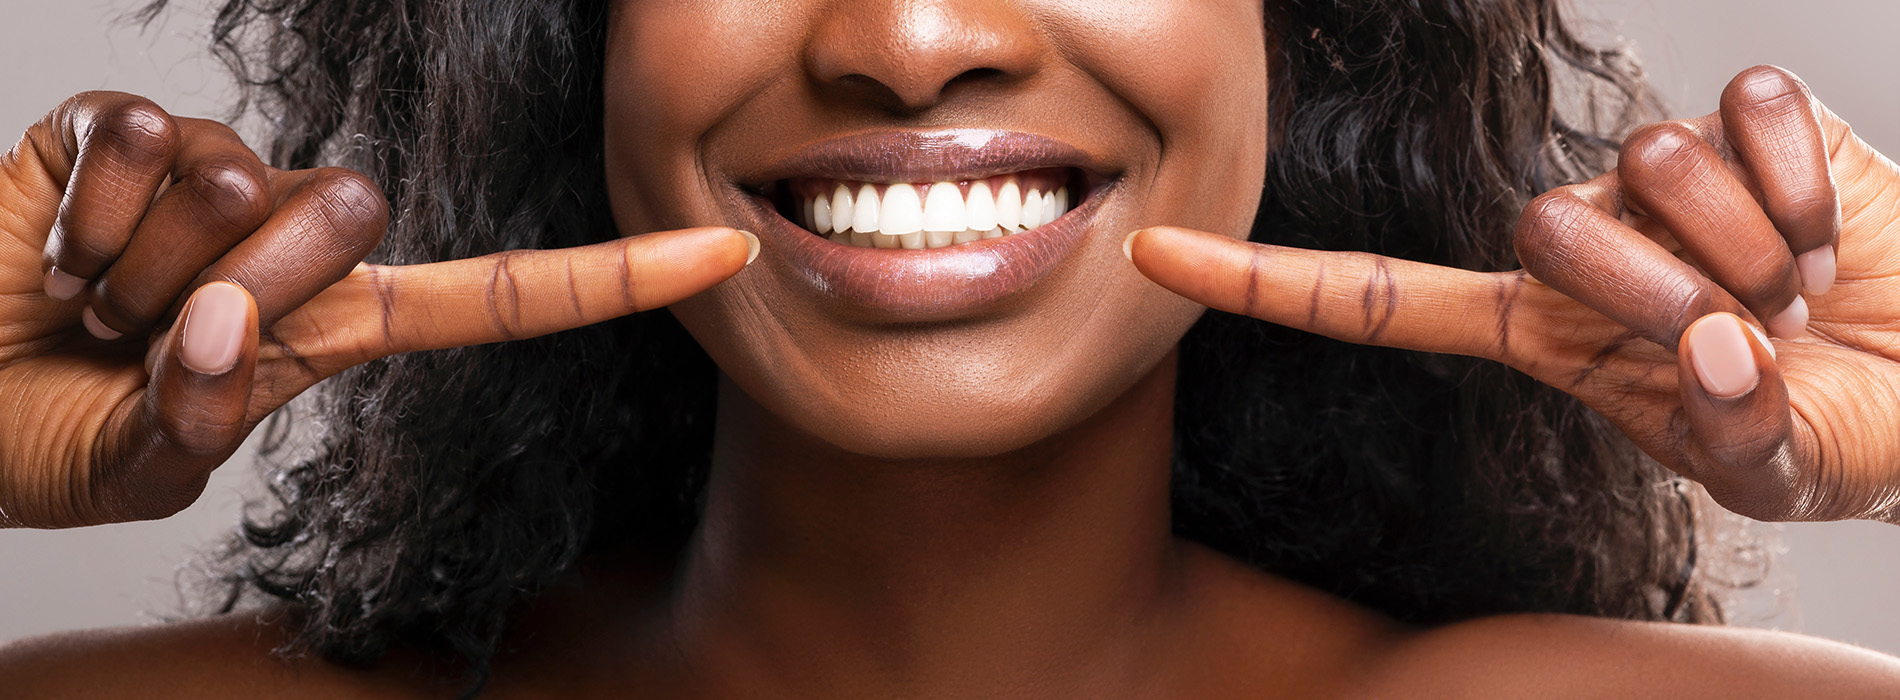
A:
[821,214]
[943,209]
[980,212]
[1009,206]
[902,212]
[842,209]
[864,212]
[941,215]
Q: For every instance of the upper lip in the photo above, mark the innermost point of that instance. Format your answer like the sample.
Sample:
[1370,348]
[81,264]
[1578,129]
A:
[933,156]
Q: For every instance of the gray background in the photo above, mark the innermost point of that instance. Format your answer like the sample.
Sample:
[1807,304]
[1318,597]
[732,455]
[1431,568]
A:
[1834,580]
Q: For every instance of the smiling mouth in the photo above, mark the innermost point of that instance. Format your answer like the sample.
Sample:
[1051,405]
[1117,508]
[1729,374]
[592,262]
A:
[917,226]
[921,216]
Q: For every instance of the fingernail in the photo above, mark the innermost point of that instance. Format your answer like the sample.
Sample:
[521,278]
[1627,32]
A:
[1128,245]
[1724,363]
[1763,337]
[97,328]
[1791,322]
[751,247]
[214,328]
[62,286]
[1817,269]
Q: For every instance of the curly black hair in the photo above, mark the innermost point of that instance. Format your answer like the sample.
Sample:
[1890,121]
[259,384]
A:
[437,490]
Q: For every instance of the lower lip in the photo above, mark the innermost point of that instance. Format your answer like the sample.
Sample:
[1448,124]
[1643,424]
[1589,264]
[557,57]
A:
[930,284]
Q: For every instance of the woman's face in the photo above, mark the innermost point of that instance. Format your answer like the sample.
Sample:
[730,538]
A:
[748,113]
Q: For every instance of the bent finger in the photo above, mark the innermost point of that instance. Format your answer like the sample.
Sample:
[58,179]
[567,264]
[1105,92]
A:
[1770,118]
[1568,239]
[384,310]
[218,196]
[327,221]
[1680,180]
[1351,296]
[119,148]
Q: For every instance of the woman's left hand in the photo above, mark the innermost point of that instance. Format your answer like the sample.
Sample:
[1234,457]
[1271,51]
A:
[1643,292]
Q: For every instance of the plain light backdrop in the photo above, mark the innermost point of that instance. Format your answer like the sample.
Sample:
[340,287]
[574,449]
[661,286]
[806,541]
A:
[1835,580]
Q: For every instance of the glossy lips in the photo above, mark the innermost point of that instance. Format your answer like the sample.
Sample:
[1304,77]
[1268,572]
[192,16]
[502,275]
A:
[929,283]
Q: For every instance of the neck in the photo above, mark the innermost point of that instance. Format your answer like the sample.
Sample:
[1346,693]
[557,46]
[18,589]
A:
[956,577]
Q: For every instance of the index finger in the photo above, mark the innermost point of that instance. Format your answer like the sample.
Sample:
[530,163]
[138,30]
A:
[381,310]
[1351,296]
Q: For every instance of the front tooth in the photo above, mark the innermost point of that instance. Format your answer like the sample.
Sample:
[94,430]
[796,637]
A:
[1062,201]
[967,236]
[1049,211]
[843,208]
[914,240]
[821,215]
[943,209]
[862,239]
[1032,209]
[1009,205]
[997,232]
[981,209]
[939,239]
[902,212]
[864,211]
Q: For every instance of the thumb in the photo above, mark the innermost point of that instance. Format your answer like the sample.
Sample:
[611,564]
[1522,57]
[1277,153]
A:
[1352,296]
[163,444]
[1741,440]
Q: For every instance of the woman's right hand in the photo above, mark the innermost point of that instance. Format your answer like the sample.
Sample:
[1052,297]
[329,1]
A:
[140,254]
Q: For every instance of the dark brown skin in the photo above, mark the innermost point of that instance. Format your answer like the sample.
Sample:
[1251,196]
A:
[881,525]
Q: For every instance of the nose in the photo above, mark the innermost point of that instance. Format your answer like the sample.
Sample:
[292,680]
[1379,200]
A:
[909,55]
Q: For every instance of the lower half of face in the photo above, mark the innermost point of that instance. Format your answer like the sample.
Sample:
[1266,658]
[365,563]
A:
[942,190]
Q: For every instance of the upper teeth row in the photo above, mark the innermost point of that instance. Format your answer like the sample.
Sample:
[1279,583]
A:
[943,214]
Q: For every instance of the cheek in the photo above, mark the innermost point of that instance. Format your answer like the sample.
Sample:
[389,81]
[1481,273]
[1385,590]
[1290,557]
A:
[673,72]
[1197,71]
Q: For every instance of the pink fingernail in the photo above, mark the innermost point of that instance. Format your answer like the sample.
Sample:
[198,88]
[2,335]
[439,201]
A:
[62,286]
[1791,322]
[1128,245]
[98,329]
[215,328]
[751,246]
[1723,361]
[1817,269]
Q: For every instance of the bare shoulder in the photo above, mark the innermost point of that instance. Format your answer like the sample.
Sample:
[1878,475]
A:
[1583,657]
[221,657]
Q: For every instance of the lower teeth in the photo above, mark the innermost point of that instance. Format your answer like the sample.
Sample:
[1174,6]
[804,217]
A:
[917,240]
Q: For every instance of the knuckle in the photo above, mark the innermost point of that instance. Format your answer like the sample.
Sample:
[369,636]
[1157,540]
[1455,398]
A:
[1543,223]
[1664,151]
[1694,300]
[198,429]
[1765,91]
[352,205]
[231,190]
[136,128]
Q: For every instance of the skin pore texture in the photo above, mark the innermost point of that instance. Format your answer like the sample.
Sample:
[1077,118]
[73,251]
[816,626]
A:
[969,497]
